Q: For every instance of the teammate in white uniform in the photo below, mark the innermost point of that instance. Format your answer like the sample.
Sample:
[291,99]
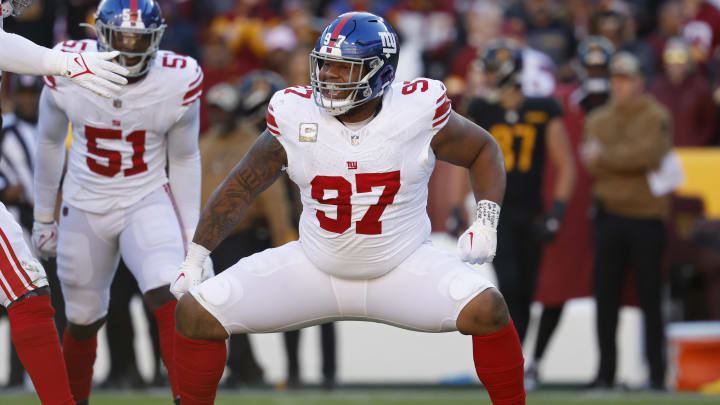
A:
[361,152]
[23,284]
[117,198]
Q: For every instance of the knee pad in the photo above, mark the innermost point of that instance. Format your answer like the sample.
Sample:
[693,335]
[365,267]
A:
[464,285]
[84,306]
[34,270]
[216,291]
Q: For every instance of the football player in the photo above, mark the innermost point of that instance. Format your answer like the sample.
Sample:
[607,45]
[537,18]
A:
[526,128]
[117,198]
[361,150]
[23,285]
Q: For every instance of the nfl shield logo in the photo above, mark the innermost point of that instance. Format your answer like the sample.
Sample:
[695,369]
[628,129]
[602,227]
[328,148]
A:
[355,139]
[117,103]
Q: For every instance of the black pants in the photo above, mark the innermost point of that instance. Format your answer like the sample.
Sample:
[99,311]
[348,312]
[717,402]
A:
[241,361]
[120,330]
[516,264]
[637,244]
[327,346]
[548,323]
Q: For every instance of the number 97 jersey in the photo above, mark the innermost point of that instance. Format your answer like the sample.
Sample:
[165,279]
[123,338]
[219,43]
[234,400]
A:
[118,153]
[363,190]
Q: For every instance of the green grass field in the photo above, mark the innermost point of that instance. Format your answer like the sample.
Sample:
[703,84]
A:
[388,397]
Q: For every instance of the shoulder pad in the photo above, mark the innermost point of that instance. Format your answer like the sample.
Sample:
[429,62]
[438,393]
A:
[287,103]
[83,45]
[183,74]
[427,97]
[294,95]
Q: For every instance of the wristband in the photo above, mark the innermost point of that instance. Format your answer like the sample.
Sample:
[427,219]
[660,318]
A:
[487,213]
[45,218]
[56,62]
[196,254]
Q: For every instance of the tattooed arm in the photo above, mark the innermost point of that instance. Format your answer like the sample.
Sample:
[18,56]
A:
[226,208]
[260,167]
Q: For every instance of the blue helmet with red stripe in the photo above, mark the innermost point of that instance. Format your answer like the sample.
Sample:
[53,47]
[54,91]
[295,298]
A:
[369,45]
[132,27]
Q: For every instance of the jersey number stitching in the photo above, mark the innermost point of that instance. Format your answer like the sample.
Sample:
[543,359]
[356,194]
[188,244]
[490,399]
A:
[71,46]
[307,91]
[370,223]
[410,87]
[505,136]
[167,62]
[136,138]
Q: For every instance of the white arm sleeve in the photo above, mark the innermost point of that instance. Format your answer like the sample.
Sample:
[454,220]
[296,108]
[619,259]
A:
[20,55]
[50,156]
[184,167]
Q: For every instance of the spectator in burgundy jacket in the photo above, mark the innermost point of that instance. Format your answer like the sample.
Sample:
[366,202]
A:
[687,94]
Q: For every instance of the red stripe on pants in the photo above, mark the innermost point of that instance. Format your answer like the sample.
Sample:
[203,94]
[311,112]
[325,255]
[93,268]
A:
[12,271]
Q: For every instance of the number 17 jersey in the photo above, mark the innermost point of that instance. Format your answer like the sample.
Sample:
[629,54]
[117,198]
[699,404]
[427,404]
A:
[118,153]
[363,190]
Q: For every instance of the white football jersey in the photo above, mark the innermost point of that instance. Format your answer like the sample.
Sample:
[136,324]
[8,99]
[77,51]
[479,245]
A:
[364,191]
[118,153]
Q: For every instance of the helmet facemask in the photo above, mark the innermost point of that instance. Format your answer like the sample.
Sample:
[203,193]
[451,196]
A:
[332,95]
[137,45]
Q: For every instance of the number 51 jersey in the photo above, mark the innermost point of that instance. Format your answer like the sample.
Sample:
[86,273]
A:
[363,190]
[118,153]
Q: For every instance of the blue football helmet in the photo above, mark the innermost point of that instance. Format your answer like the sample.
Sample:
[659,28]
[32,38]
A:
[369,45]
[14,7]
[132,27]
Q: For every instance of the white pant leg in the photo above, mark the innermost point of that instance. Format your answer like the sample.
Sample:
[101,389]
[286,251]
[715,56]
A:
[279,289]
[426,292]
[274,290]
[152,243]
[20,271]
[87,258]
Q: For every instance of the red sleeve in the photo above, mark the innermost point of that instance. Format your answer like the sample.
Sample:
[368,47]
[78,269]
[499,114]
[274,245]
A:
[272,125]
[442,111]
[194,89]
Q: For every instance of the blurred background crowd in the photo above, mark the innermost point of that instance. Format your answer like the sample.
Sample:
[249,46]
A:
[250,48]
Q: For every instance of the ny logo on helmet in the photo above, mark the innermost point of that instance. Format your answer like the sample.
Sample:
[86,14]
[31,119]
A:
[132,19]
[388,42]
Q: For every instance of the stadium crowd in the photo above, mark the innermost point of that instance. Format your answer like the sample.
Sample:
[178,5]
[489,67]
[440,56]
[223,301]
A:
[571,51]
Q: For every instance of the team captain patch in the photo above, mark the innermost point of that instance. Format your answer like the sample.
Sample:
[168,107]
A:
[308,132]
